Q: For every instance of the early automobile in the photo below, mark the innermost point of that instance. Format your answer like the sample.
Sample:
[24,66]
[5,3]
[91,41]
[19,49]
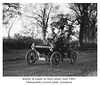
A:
[54,52]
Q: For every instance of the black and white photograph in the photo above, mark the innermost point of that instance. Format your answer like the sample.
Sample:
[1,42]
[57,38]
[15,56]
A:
[49,39]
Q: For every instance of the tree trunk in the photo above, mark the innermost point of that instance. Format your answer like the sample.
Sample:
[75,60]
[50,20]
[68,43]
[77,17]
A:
[44,35]
[81,35]
[10,29]
[9,32]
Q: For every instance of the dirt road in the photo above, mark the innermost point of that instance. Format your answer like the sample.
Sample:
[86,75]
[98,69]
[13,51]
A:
[86,65]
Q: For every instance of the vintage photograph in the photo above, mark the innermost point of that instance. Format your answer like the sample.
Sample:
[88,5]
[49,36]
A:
[50,39]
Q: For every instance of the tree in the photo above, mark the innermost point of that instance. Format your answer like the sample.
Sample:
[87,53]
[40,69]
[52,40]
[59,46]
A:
[68,22]
[41,13]
[10,14]
[84,11]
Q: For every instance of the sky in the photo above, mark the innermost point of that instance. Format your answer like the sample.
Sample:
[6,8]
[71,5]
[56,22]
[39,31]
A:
[17,27]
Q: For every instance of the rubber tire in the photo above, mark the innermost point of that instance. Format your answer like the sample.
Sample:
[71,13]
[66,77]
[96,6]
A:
[33,57]
[53,57]
[73,57]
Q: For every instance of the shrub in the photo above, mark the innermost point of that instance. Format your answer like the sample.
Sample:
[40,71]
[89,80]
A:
[16,44]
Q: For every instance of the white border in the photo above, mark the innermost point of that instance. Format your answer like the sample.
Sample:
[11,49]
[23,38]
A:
[18,80]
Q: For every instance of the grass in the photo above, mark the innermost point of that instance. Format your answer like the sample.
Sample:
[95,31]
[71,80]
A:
[14,55]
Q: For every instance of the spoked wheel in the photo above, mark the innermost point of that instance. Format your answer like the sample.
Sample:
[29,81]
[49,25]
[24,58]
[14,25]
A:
[31,57]
[73,57]
[55,59]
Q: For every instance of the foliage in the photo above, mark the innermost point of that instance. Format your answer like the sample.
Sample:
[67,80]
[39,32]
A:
[68,23]
[10,9]
[86,14]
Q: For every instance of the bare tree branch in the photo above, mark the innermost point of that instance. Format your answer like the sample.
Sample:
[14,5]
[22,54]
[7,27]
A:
[74,9]
[76,36]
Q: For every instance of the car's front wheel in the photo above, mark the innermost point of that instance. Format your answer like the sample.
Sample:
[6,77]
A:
[55,59]
[73,57]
